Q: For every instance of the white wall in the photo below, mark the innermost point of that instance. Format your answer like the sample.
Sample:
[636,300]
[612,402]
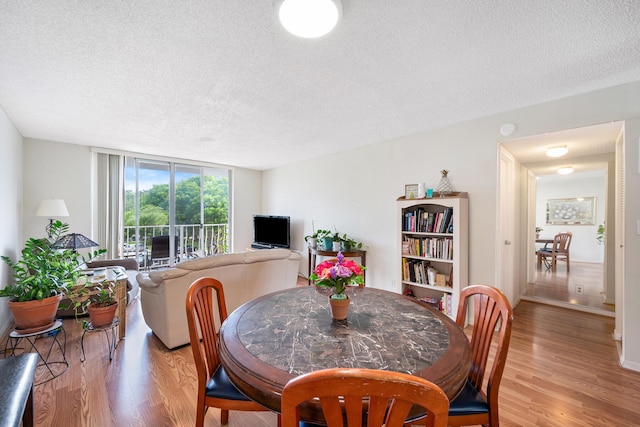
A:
[11,212]
[247,201]
[53,170]
[631,292]
[584,246]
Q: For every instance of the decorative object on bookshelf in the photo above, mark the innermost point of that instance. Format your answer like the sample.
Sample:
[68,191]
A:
[444,186]
[411,191]
[338,274]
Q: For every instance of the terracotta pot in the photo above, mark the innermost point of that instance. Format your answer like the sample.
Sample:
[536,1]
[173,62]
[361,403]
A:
[102,316]
[36,315]
[339,308]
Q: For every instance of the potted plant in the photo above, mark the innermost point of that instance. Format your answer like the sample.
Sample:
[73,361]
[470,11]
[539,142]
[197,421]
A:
[312,239]
[41,277]
[337,274]
[336,242]
[538,231]
[349,244]
[600,234]
[102,304]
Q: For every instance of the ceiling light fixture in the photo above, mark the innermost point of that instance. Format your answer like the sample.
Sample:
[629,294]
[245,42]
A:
[557,151]
[565,170]
[309,18]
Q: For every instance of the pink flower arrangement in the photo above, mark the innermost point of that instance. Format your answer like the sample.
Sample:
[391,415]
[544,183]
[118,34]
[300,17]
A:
[338,273]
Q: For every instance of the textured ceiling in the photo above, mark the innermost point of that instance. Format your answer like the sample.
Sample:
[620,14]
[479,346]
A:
[220,81]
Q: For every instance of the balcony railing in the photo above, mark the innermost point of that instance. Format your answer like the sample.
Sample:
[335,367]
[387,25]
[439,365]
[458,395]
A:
[193,241]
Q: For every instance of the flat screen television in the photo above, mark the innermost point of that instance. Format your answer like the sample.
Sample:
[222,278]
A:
[271,231]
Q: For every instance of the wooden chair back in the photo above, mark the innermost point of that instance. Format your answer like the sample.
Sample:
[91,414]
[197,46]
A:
[561,242]
[492,314]
[351,396]
[205,304]
[201,321]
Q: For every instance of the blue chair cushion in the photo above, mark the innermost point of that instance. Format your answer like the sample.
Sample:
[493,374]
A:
[468,402]
[219,386]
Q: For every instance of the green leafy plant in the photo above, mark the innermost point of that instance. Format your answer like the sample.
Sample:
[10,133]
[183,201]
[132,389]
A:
[349,243]
[539,230]
[44,271]
[318,235]
[105,294]
[600,234]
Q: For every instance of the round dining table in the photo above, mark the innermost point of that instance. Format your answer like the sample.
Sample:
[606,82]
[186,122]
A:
[270,340]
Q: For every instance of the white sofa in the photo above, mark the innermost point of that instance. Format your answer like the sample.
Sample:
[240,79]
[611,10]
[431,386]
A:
[244,276]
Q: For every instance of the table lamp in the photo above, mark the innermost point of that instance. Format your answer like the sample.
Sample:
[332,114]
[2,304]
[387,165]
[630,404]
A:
[74,241]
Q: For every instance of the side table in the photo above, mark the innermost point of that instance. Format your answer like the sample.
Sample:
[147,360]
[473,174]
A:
[112,341]
[353,253]
[54,367]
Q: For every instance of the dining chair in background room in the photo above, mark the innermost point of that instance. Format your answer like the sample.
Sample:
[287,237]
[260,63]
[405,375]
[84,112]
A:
[214,387]
[492,315]
[559,251]
[386,397]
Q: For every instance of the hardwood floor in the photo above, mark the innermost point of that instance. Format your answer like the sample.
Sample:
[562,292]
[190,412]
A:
[580,289]
[562,370]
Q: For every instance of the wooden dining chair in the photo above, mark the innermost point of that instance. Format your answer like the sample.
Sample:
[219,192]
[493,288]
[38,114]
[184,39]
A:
[214,387]
[349,396]
[559,251]
[492,315]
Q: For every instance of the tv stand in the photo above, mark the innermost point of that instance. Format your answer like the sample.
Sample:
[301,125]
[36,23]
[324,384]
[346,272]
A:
[262,246]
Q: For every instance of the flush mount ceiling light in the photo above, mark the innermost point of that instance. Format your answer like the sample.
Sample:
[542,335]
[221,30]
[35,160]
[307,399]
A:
[557,151]
[565,170]
[309,18]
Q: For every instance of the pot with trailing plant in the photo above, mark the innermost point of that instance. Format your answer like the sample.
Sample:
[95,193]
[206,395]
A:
[337,274]
[102,304]
[42,276]
[313,239]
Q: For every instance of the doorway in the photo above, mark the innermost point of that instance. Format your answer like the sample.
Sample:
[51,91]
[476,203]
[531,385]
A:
[590,149]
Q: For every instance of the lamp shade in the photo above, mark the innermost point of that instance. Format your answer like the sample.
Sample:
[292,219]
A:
[51,208]
[74,241]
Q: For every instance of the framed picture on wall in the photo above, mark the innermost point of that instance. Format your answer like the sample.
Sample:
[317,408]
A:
[411,191]
[574,211]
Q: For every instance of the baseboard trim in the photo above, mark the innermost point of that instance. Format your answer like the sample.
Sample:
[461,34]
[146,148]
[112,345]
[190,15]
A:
[562,304]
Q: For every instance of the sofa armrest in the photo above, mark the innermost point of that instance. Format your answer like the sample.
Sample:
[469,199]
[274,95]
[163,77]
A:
[145,282]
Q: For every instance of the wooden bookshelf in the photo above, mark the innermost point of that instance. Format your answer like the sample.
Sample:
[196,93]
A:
[434,234]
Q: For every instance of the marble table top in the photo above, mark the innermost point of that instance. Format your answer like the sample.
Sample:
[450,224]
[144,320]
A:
[272,339]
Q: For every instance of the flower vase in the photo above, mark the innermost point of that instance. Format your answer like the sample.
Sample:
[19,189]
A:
[444,186]
[336,246]
[339,308]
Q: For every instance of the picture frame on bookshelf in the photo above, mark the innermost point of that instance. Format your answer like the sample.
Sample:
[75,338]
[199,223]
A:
[411,191]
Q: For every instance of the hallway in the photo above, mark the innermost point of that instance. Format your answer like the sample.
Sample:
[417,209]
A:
[562,289]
